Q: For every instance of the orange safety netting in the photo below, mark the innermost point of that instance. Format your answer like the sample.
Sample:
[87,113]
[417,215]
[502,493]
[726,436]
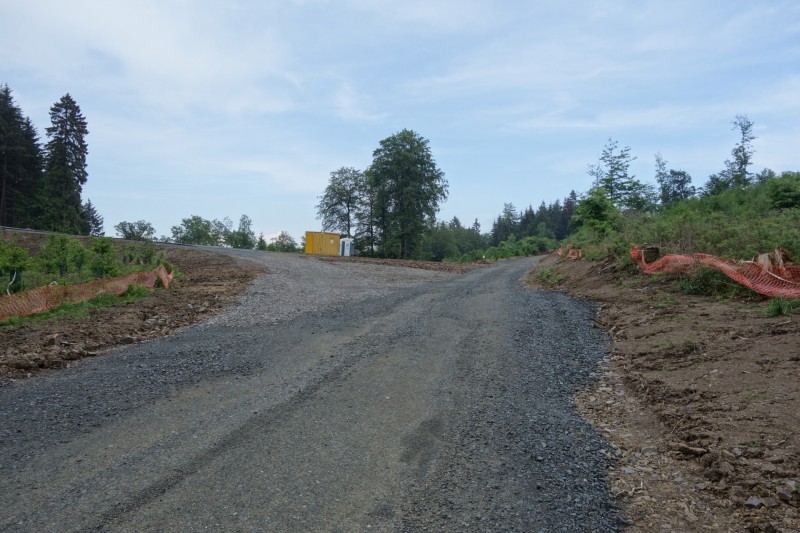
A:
[767,274]
[570,252]
[49,297]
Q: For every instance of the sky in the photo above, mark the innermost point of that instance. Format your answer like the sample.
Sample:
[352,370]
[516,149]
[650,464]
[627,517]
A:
[222,108]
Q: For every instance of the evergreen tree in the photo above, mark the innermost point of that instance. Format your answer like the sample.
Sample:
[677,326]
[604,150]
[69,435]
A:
[742,153]
[20,166]
[91,221]
[65,166]
[621,187]
[735,175]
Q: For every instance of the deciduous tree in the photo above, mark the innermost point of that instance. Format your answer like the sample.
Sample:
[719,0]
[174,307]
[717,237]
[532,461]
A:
[339,204]
[409,188]
[140,230]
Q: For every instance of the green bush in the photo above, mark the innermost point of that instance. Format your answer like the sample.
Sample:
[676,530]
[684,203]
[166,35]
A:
[13,262]
[104,263]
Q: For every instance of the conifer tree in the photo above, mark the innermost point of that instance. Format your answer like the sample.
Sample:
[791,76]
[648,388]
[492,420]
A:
[20,166]
[65,166]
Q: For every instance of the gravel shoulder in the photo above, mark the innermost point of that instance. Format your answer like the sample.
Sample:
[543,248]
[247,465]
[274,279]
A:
[333,397]
[699,397]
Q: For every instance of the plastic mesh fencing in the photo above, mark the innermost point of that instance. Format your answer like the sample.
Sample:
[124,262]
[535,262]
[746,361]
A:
[768,274]
[569,252]
[49,297]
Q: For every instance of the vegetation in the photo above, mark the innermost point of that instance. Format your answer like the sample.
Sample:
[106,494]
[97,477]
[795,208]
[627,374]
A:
[41,186]
[390,207]
[66,260]
[781,306]
[135,231]
[283,243]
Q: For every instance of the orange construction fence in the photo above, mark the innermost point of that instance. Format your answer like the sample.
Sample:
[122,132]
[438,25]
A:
[49,297]
[767,274]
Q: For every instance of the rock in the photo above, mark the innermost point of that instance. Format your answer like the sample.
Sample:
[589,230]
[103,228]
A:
[629,469]
[51,340]
[128,339]
[785,495]
[771,503]
[753,503]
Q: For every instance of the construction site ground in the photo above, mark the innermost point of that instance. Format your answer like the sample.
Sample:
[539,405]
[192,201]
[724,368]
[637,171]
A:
[700,397]
[207,282]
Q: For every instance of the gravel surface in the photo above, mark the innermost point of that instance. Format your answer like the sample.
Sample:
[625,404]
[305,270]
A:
[335,397]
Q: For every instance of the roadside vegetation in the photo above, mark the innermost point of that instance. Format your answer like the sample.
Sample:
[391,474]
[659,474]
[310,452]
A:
[65,260]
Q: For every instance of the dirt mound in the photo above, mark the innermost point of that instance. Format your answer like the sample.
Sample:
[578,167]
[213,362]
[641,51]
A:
[699,395]
[208,282]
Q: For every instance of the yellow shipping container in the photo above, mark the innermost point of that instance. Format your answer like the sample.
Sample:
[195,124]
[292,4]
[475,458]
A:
[322,243]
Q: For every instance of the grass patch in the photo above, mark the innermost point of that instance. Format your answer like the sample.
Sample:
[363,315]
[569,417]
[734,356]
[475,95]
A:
[706,281]
[782,306]
[550,276]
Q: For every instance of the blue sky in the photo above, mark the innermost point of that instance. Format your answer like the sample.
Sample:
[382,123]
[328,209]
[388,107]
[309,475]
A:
[222,108]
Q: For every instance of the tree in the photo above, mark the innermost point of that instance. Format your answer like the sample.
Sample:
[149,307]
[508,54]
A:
[261,244]
[735,175]
[21,196]
[242,237]
[135,231]
[506,225]
[91,221]
[197,230]
[612,175]
[596,212]
[408,190]
[283,243]
[65,166]
[742,153]
[674,185]
[340,202]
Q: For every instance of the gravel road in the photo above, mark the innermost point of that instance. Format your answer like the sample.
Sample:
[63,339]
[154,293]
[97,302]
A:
[335,397]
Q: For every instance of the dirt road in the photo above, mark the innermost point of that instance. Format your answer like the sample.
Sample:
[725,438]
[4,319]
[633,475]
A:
[442,404]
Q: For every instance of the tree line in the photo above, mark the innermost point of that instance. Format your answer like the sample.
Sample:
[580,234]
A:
[390,207]
[41,185]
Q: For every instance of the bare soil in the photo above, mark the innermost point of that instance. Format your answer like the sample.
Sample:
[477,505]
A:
[699,397]
[207,283]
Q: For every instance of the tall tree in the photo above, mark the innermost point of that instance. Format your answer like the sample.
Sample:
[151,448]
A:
[735,175]
[20,166]
[409,188]
[506,225]
[65,166]
[742,153]
[339,204]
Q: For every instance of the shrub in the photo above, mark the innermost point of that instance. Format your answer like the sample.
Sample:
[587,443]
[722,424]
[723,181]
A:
[104,263]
